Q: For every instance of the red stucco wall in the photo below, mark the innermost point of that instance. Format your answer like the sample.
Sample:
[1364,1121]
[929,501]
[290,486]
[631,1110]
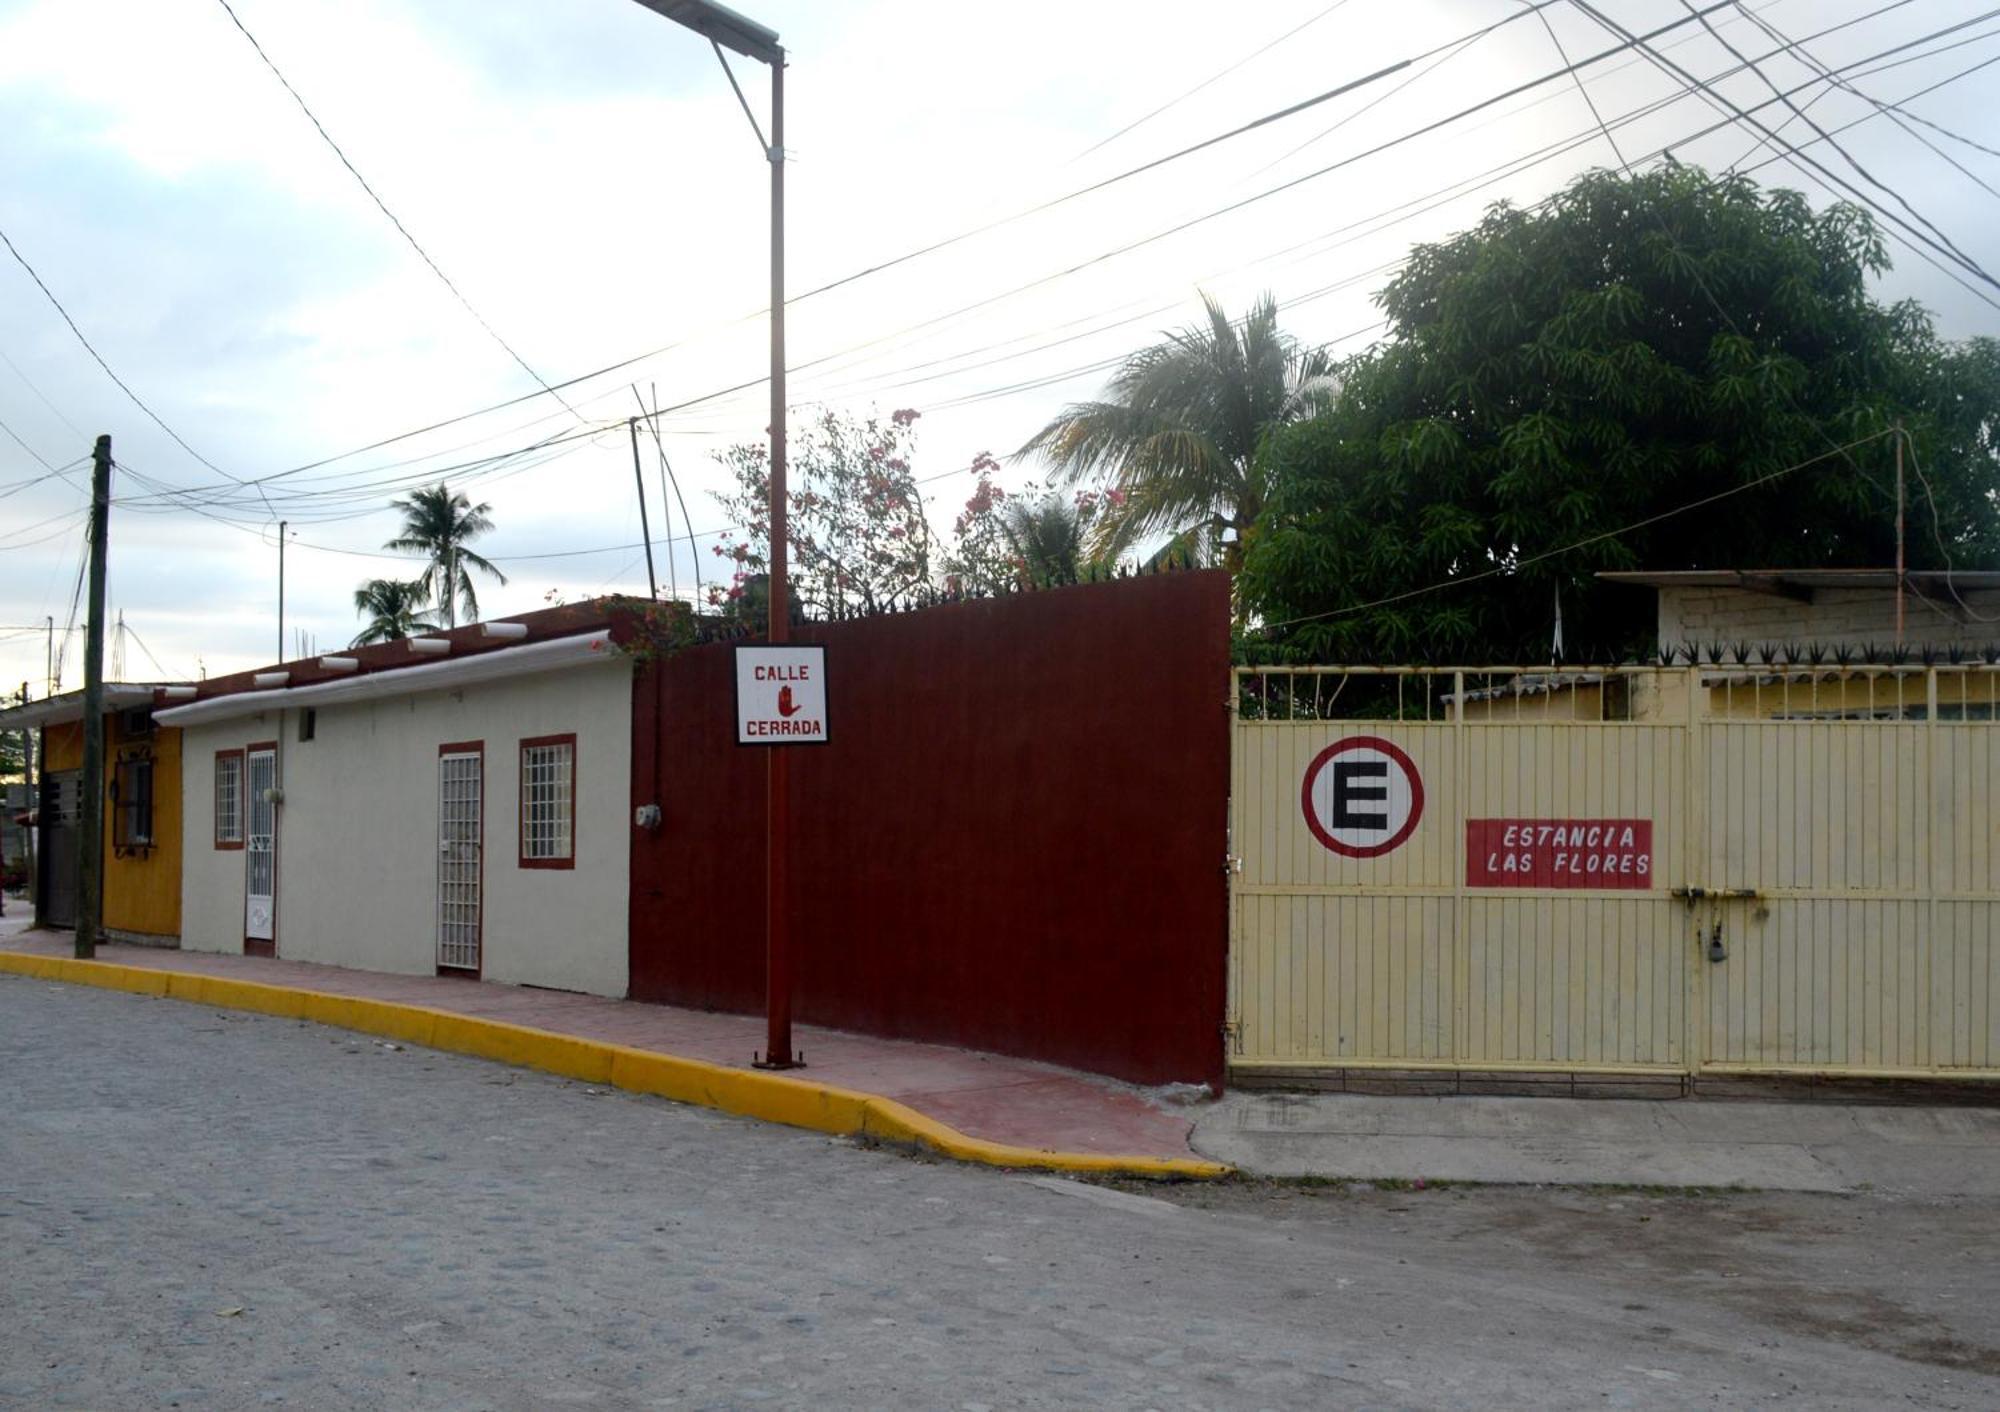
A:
[1014,842]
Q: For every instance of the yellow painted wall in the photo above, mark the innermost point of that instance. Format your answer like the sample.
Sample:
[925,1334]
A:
[142,887]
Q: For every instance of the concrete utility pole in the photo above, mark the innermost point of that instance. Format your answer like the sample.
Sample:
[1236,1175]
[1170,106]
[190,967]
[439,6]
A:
[90,854]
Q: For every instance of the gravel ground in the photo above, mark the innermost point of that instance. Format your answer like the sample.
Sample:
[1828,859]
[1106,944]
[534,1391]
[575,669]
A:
[210,1210]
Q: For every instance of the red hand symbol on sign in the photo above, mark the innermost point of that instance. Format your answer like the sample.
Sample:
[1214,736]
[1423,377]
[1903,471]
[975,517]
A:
[786,706]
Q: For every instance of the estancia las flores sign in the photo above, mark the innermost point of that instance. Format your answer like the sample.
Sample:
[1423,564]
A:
[1559,853]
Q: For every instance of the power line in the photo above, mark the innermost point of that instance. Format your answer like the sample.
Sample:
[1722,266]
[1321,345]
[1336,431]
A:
[1515,565]
[1888,110]
[1851,160]
[1715,99]
[755,382]
[383,206]
[132,633]
[29,383]
[970,233]
[985,395]
[1210,80]
[30,450]
[91,349]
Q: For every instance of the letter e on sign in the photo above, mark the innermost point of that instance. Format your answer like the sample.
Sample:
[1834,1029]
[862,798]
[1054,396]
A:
[1362,796]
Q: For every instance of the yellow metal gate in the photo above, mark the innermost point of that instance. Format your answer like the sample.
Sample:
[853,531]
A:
[1658,870]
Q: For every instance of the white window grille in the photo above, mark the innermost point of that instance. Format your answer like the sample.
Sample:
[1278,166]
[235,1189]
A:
[229,798]
[548,796]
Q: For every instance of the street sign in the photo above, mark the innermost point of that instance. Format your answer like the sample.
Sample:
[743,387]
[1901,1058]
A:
[1362,796]
[1559,853]
[781,695]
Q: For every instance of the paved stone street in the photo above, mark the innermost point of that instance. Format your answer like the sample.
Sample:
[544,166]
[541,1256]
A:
[214,1210]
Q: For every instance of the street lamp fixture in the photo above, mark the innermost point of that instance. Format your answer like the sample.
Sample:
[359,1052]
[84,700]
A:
[725,29]
[722,25]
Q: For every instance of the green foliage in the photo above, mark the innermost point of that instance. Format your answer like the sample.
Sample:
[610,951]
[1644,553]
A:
[1556,375]
[1033,537]
[394,609]
[1178,430]
[651,631]
[438,523]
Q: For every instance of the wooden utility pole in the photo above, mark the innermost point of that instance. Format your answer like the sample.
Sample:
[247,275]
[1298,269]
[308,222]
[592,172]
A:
[28,734]
[90,852]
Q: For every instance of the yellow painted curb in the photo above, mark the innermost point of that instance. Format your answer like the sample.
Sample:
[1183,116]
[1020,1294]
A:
[797,1103]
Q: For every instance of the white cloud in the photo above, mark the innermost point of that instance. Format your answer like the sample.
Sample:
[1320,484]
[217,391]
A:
[585,176]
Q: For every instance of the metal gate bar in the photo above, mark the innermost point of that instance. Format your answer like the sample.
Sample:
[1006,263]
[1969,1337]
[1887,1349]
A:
[1822,886]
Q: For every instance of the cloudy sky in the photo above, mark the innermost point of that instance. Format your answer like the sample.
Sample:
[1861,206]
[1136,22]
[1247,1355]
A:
[583,174]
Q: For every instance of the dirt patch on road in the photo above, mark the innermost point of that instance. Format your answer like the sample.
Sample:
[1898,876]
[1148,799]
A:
[1915,1280]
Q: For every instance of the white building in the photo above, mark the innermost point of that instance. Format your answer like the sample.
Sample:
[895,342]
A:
[1801,607]
[452,804]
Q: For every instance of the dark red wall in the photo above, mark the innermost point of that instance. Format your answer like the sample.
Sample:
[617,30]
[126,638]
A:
[1014,842]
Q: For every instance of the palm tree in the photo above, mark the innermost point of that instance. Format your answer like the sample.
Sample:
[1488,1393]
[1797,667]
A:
[437,523]
[1179,428]
[393,608]
[1046,536]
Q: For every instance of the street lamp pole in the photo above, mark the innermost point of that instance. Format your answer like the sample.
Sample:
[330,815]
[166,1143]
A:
[725,29]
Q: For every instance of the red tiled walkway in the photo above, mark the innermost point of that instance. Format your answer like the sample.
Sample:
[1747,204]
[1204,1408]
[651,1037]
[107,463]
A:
[987,1096]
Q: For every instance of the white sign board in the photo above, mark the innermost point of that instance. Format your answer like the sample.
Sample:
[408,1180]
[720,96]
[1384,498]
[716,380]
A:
[1362,796]
[781,695]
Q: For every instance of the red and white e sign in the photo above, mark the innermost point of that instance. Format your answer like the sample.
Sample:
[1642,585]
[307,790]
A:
[1362,796]
[781,695]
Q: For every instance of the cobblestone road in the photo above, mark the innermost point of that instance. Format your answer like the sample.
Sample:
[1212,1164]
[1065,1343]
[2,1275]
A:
[211,1210]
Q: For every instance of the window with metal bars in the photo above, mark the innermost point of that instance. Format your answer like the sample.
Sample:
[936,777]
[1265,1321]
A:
[132,824]
[548,802]
[229,799]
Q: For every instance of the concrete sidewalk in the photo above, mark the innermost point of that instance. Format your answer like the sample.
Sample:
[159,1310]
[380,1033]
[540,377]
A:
[1909,1151]
[986,1096]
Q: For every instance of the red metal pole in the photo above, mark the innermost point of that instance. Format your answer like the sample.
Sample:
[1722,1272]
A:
[777,890]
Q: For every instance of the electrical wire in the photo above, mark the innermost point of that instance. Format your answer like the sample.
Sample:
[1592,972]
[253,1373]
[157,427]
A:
[383,206]
[1937,532]
[1851,160]
[1212,79]
[705,398]
[1068,374]
[1888,110]
[132,633]
[1715,99]
[1023,213]
[91,349]
[1516,565]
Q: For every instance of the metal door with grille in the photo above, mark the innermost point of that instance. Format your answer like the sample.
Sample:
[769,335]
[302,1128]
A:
[61,845]
[461,781]
[260,847]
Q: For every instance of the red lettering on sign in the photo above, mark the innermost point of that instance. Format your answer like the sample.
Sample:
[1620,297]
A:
[793,726]
[1559,853]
